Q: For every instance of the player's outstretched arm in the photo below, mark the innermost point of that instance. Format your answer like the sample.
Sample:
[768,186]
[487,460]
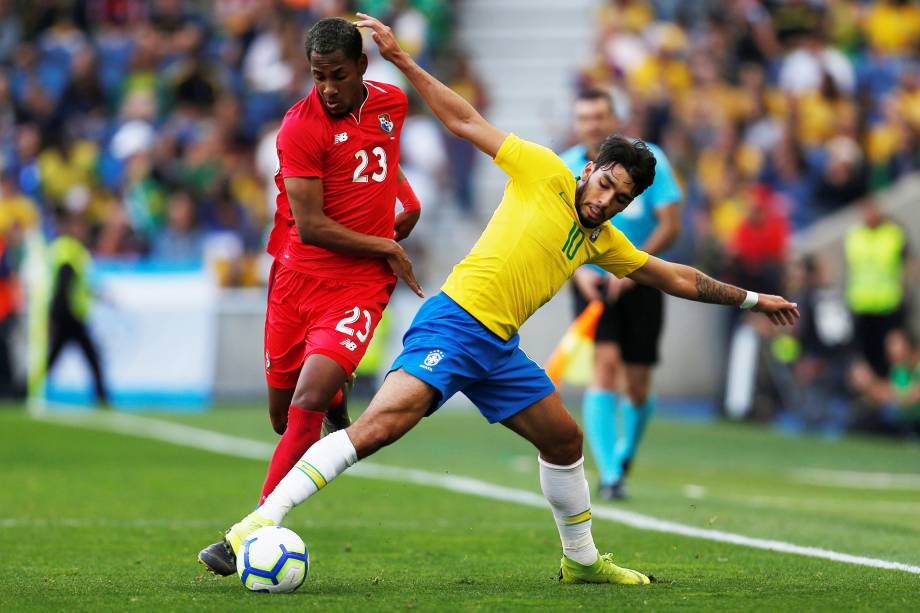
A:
[315,228]
[688,282]
[455,113]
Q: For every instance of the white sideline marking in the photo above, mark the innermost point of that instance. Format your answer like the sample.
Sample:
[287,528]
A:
[857,480]
[217,442]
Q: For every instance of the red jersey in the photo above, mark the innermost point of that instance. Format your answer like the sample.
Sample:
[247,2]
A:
[357,157]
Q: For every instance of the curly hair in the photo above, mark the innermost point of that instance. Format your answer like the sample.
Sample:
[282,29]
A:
[329,35]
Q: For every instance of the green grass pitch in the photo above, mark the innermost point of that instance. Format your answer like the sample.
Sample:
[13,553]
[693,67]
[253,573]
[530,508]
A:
[95,520]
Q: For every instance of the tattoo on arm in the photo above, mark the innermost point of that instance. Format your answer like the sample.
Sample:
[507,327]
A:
[715,292]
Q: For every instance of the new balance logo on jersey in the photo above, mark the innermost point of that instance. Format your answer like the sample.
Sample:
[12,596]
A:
[432,359]
[349,344]
[341,138]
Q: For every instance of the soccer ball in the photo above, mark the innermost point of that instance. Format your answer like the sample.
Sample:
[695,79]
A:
[273,559]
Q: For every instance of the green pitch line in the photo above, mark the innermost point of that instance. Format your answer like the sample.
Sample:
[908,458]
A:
[123,518]
[232,445]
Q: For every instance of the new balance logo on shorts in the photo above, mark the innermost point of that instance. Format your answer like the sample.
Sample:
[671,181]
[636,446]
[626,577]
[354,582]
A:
[432,359]
[348,344]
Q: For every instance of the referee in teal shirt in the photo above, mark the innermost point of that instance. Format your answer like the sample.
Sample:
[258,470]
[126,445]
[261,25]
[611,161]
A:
[628,333]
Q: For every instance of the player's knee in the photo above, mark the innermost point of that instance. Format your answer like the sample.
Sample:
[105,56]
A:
[638,394]
[312,399]
[566,447]
[638,399]
[572,445]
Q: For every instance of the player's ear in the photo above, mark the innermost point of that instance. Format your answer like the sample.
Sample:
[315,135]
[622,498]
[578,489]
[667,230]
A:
[362,64]
[586,171]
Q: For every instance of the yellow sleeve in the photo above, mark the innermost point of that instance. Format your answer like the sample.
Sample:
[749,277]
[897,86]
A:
[524,160]
[622,257]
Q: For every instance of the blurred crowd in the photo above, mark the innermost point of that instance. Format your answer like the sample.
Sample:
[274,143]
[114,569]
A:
[772,112]
[775,113]
[153,123]
[852,362]
[155,120]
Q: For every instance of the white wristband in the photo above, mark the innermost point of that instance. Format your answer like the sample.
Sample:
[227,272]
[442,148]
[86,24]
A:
[750,300]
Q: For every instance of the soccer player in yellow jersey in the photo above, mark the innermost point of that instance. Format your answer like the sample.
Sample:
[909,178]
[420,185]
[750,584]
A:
[465,338]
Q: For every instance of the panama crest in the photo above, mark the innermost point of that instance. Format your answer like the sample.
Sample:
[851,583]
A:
[386,124]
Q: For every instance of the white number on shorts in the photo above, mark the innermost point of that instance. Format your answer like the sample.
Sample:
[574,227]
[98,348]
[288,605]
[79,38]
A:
[362,336]
[379,175]
[354,316]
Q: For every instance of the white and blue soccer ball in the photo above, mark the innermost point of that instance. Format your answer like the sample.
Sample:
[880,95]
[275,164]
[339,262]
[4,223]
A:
[273,559]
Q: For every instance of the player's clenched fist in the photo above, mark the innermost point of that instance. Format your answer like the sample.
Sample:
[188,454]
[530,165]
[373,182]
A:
[382,35]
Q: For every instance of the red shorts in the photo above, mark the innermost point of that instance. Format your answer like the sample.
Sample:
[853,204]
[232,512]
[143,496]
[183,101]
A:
[308,315]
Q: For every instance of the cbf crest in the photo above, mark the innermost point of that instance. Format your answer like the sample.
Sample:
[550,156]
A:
[386,124]
[432,359]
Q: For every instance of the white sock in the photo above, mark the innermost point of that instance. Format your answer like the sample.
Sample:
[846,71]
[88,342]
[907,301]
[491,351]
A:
[568,494]
[322,463]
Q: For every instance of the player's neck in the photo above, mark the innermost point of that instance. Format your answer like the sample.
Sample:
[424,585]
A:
[355,111]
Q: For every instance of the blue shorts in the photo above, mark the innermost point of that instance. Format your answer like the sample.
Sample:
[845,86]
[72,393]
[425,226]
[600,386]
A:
[452,351]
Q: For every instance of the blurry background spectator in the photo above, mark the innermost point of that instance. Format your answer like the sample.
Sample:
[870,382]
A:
[71,298]
[159,117]
[776,113]
[164,113]
[876,253]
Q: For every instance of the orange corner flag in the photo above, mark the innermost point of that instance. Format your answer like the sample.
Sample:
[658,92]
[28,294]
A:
[582,329]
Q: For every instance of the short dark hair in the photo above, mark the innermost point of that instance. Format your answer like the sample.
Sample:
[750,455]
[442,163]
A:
[331,34]
[595,94]
[635,157]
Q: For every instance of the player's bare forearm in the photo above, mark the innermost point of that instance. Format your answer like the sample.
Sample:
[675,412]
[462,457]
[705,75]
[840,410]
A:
[689,283]
[710,291]
[305,195]
[328,234]
[451,108]
[315,228]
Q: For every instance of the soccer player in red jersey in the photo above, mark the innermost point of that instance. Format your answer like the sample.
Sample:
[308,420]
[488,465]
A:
[334,241]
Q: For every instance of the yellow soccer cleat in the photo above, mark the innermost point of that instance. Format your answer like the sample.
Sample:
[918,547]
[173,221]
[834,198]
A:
[602,571]
[220,557]
[243,528]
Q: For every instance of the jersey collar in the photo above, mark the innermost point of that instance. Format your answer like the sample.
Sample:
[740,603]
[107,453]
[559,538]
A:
[367,94]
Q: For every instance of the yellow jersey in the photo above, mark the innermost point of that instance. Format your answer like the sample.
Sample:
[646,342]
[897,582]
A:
[533,243]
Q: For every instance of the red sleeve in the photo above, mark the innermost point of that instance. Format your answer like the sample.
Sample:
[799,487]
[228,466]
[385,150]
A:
[300,153]
[403,103]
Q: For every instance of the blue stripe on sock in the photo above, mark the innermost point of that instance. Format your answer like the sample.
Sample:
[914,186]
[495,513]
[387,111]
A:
[601,431]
